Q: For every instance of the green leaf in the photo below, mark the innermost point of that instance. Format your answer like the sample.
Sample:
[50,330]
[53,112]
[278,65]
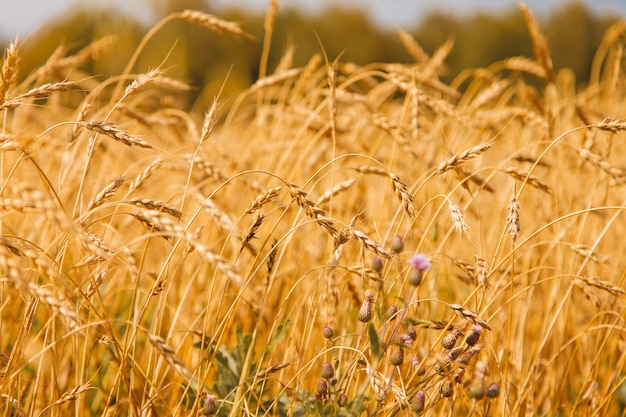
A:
[374,341]
[281,333]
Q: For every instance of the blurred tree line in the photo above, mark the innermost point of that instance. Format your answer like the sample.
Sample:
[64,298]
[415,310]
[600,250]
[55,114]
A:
[206,59]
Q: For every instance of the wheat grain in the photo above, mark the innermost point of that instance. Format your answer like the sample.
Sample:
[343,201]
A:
[145,174]
[110,130]
[9,69]
[156,205]
[457,219]
[540,45]
[73,394]
[462,157]
[38,92]
[513,218]
[170,356]
[336,189]
[106,193]
[263,199]
[612,125]
[310,208]
[212,22]
[412,47]
[399,188]
[529,179]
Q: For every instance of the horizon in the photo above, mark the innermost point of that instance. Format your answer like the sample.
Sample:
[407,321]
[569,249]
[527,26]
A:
[25,18]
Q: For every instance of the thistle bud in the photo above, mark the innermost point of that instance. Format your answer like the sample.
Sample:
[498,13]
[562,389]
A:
[493,390]
[327,371]
[419,264]
[445,389]
[365,312]
[473,335]
[391,312]
[328,332]
[418,401]
[377,264]
[396,355]
[397,244]
[476,389]
[342,400]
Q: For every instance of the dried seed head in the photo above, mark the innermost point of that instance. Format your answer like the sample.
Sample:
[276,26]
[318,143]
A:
[449,340]
[365,312]
[445,389]
[328,332]
[327,371]
[396,355]
[418,401]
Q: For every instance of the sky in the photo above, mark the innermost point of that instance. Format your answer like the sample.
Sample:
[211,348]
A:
[25,16]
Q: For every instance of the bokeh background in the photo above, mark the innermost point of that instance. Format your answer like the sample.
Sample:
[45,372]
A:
[360,31]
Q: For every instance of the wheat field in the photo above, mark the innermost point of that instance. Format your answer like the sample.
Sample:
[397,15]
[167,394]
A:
[334,240]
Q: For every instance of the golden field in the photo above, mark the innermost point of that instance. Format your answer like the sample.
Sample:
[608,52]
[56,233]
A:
[334,240]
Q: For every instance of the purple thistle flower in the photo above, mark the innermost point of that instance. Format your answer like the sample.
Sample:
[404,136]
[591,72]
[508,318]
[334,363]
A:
[420,262]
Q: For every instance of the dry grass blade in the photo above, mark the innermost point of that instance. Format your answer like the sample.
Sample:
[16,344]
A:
[109,129]
[462,157]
